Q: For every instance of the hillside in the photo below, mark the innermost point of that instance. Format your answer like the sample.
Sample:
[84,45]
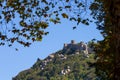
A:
[62,65]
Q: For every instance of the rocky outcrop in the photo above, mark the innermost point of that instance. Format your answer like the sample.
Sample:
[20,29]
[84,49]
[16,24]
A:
[65,71]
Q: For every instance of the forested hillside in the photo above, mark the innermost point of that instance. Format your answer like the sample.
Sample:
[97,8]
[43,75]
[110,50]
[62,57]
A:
[61,66]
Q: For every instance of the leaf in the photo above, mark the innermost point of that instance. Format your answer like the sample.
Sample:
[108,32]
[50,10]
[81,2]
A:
[38,39]
[55,21]
[67,0]
[72,19]
[74,27]
[47,8]
[80,4]
[16,49]
[65,15]
[3,37]
[79,20]
[67,6]
[0,17]
[85,22]
[46,33]
[22,23]
[44,1]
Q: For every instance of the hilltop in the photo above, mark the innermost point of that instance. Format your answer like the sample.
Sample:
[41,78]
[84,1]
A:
[65,64]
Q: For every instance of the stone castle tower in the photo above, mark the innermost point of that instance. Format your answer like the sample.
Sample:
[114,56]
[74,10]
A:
[73,42]
[77,47]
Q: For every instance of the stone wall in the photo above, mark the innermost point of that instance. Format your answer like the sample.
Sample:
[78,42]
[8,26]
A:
[76,46]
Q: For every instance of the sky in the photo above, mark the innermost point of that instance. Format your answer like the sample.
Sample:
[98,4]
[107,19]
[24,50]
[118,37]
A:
[12,62]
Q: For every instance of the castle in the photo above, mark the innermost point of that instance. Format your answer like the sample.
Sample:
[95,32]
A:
[77,47]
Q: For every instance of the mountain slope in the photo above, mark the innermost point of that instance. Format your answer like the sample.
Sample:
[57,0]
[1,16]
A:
[61,66]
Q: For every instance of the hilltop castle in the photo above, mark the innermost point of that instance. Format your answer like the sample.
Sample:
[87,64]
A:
[77,47]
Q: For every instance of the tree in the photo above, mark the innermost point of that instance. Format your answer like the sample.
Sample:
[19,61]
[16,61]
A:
[108,21]
[25,21]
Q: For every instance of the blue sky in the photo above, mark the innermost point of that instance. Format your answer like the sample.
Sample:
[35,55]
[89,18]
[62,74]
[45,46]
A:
[12,62]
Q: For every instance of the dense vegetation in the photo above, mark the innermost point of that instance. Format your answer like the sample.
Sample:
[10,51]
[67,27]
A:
[61,67]
[107,15]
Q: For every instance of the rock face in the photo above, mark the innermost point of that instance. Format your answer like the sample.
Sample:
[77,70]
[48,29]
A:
[65,71]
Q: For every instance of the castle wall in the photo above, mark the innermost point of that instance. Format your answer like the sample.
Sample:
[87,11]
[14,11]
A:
[76,47]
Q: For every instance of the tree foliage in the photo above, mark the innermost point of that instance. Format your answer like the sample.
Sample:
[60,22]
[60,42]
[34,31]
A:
[25,21]
[108,21]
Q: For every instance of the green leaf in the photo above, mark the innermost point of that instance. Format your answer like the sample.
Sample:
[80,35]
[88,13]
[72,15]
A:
[65,15]
[38,39]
